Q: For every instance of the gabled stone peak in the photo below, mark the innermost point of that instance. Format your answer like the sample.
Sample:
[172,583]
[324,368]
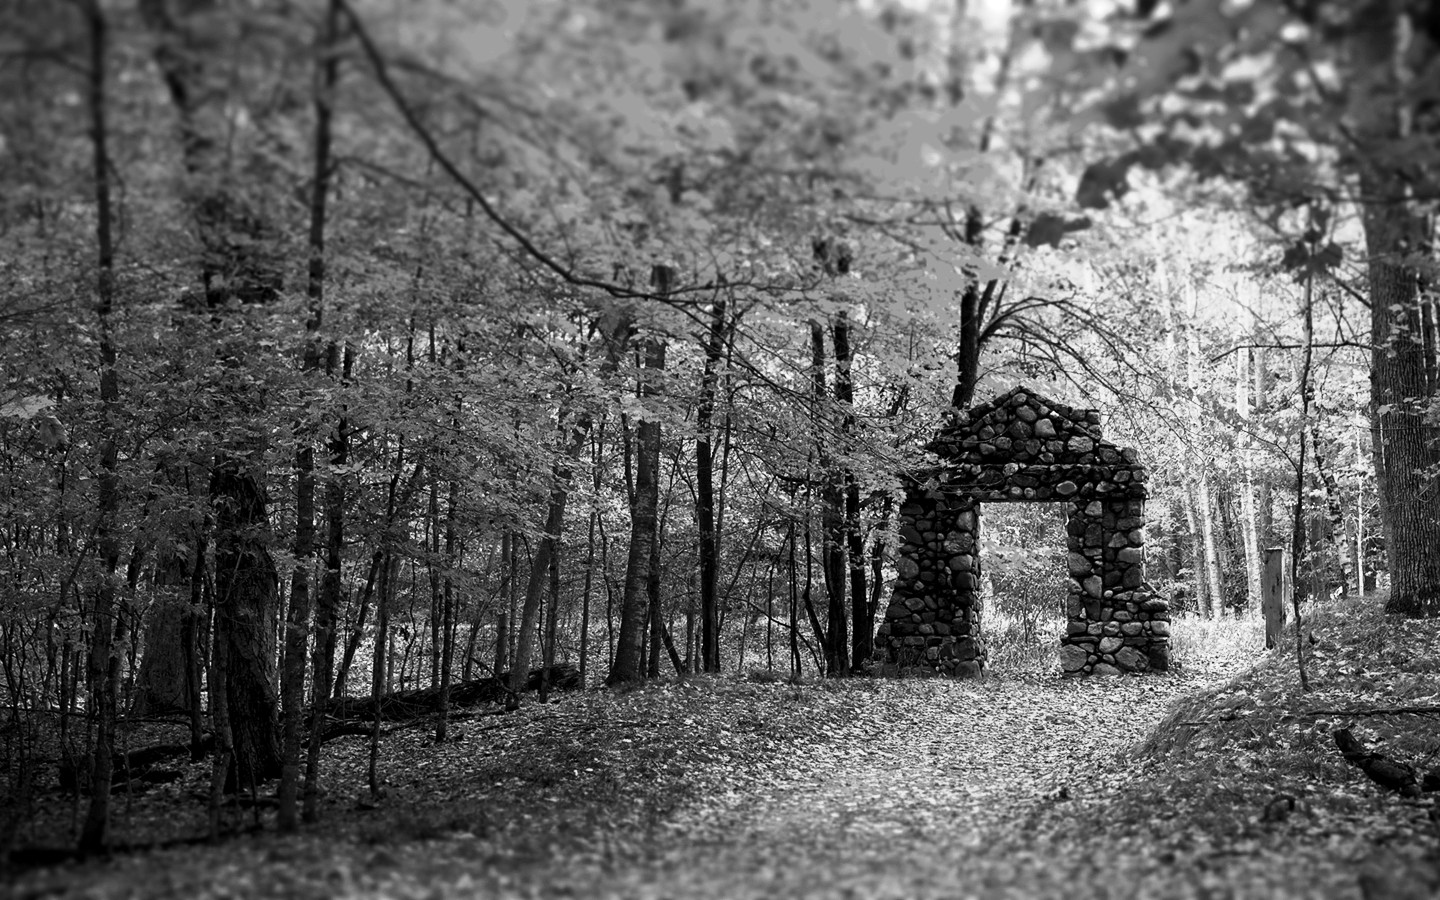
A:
[1007,405]
[1024,427]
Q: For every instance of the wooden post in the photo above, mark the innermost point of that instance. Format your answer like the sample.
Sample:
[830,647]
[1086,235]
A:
[1272,595]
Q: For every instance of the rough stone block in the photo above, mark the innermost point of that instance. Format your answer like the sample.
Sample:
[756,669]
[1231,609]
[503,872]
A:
[1110,644]
[1130,556]
[1160,628]
[1132,660]
[908,569]
[970,669]
[1091,585]
[1073,658]
[1105,669]
[1159,657]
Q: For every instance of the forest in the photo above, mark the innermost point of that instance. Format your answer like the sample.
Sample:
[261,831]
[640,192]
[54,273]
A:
[463,449]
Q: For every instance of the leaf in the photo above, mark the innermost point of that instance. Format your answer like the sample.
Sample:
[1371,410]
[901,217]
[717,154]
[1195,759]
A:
[26,407]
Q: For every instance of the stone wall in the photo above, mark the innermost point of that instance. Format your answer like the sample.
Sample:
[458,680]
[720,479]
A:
[1022,447]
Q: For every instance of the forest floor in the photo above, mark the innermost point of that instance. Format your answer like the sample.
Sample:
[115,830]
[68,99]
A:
[1220,780]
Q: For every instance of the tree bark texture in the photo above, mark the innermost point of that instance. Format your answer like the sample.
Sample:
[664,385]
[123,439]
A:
[615,333]
[238,263]
[245,586]
[297,626]
[832,517]
[629,662]
[862,614]
[107,618]
[1407,455]
[705,493]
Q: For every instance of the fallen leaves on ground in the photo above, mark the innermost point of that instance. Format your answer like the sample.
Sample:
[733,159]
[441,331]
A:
[1214,783]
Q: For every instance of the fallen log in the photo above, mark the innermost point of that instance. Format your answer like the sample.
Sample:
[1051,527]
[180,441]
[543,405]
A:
[347,716]
[402,706]
[1381,769]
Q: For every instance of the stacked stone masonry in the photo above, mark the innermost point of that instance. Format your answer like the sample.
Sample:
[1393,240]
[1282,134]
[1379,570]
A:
[1021,447]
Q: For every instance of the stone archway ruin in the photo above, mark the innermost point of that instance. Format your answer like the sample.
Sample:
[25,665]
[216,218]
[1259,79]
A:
[1022,447]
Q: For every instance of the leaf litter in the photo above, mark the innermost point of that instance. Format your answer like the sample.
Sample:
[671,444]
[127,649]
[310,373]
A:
[1222,781]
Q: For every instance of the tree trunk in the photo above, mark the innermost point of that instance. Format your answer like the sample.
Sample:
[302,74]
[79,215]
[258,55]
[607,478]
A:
[1208,564]
[297,633]
[615,330]
[705,493]
[1406,446]
[447,613]
[245,585]
[1406,454]
[832,519]
[644,522]
[162,685]
[238,264]
[1250,533]
[862,615]
[327,609]
[108,619]
[652,594]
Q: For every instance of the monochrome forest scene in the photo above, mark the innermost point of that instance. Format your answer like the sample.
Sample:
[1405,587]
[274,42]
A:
[720,449]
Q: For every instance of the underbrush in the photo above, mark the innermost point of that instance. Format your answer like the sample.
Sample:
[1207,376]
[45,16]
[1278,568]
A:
[1253,761]
[1026,646]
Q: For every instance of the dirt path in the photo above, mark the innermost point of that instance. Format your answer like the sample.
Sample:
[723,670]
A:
[930,797]
[1020,788]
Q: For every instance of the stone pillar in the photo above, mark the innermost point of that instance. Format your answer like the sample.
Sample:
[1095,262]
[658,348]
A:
[1116,622]
[932,625]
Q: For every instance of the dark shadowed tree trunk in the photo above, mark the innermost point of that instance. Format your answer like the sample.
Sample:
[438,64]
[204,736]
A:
[629,662]
[108,619]
[245,591]
[862,615]
[832,517]
[1406,445]
[297,629]
[614,333]
[644,522]
[162,685]
[705,491]
[338,362]
[238,264]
